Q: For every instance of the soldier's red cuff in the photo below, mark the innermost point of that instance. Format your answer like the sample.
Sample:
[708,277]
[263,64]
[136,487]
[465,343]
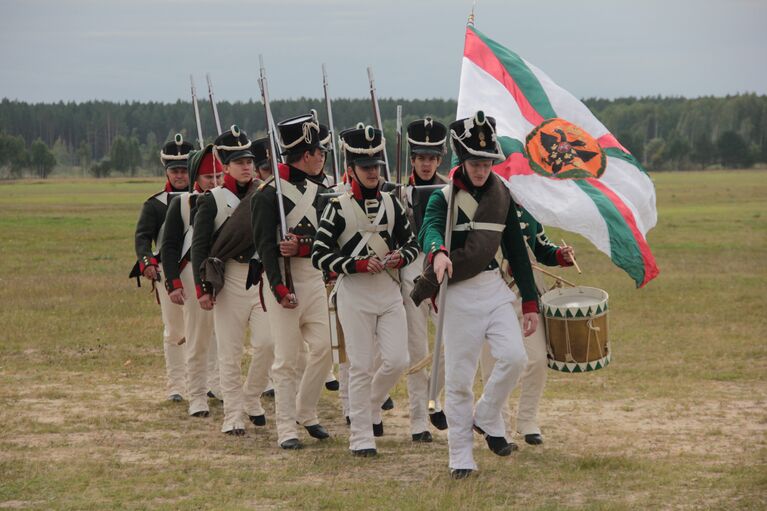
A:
[281,290]
[561,259]
[401,262]
[304,249]
[361,266]
[203,289]
[172,285]
[435,252]
[529,306]
[146,261]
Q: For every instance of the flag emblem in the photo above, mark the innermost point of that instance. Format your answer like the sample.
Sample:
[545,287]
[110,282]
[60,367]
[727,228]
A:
[559,149]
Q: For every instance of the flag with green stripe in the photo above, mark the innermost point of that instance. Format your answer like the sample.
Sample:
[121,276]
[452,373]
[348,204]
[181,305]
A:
[604,194]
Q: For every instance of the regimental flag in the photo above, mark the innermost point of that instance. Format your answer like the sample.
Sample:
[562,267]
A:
[561,163]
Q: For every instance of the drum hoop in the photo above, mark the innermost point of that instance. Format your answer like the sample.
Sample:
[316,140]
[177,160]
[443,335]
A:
[580,367]
[577,318]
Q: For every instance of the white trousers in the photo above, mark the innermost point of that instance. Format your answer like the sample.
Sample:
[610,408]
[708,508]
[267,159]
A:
[479,309]
[418,348]
[173,332]
[237,309]
[373,318]
[531,382]
[304,328]
[201,352]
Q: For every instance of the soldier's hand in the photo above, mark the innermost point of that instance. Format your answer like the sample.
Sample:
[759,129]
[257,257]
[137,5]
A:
[177,296]
[529,323]
[289,246]
[207,301]
[393,259]
[150,272]
[568,254]
[442,264]
[375,265]
[289,301]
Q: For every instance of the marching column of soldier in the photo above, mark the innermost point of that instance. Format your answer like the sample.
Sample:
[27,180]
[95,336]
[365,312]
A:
[247,243]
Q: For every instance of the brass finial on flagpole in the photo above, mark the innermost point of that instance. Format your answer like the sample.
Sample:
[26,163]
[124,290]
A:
[471,16]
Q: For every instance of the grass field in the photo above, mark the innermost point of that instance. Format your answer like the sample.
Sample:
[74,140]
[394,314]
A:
[677,421]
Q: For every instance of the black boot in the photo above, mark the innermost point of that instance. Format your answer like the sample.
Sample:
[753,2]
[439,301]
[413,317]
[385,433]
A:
[292,444]
[364,453]
[236,432]
[332,385]
[317,431]
[423,436]
[378,429]
[258,420]
[388,404]
[534,439]
[201,413]
[497,444]
[438,420]
[460,473]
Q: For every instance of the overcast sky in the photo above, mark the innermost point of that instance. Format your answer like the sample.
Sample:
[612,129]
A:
[146,49]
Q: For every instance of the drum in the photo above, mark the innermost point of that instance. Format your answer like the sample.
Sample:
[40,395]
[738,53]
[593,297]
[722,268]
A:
[576,325]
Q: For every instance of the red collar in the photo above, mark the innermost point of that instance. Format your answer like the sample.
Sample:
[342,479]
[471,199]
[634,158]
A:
[168,188]
[357,191]
[284,171]
[233,186]
[458,178]
[197,188]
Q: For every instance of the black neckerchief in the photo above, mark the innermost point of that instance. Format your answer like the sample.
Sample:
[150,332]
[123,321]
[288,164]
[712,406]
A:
[297,175]
[421,182]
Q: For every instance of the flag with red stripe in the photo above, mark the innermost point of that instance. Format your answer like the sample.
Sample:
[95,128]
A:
[562,164]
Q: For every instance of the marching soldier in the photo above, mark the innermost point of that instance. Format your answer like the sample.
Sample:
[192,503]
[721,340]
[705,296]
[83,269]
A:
[298,315]
[426,138]
[479,305]
[174,157]
[222,247]
[365,237]
[201,362]
[533,379]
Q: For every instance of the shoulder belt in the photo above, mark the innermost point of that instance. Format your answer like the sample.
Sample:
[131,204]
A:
[226,202]
[303,202]
[186,218]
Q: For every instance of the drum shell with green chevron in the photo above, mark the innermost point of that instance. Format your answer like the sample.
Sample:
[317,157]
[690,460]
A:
[577,329]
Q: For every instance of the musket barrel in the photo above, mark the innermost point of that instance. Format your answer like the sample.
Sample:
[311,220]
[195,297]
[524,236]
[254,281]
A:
[331,127]
[196,112]
[377,115]
[272,148]
[399,144]
[441,299]
[213,104]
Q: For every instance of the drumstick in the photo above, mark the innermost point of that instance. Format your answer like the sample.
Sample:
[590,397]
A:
[553,275]
[573,256]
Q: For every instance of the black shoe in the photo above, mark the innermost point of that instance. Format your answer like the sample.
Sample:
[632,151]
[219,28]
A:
[348,421]
[292,444]
[460,473]
[258,420]
[438,420]
[378,429]
[364,453]
[176,398]
[317,431]
[423,436]
[332,385]
[201,413]
[236,432]
[534,439]
[268,393]
[388,404]
[497,444]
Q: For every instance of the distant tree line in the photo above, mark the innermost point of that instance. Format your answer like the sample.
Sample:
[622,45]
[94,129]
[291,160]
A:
[101,138]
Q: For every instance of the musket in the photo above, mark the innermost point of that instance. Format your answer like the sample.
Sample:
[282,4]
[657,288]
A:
[273,160]
[196,113]
[435,361]
[213,104]
[331,128]
[399,144]
[377,115]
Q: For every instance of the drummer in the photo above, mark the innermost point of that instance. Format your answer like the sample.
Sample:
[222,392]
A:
[533,379]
